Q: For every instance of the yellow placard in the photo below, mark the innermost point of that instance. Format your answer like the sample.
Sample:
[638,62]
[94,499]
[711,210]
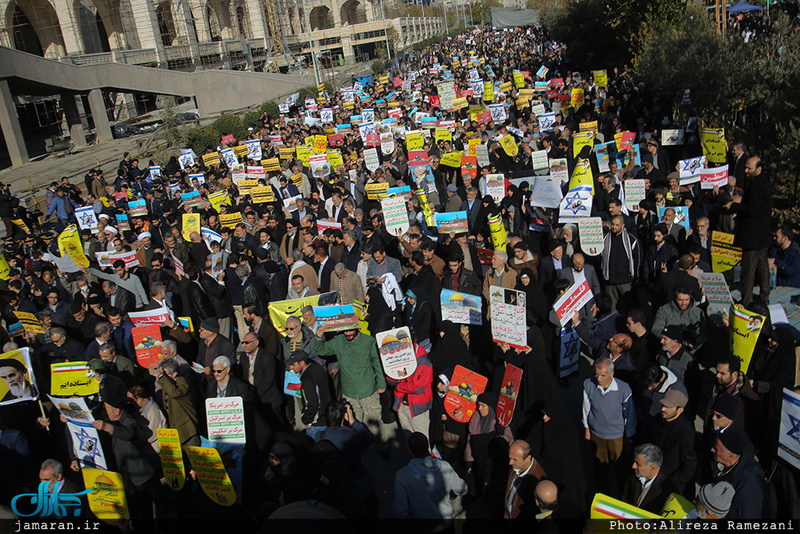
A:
[186,322]
[745,328]
[383,80]
[576,99]
[498,231]
[724,255]
[582,175]
[676,507]
[286,153]
[19,223]
[374,190]
[309,141]
[321,100]
[297,180]
[451,159]
[303,154]
[211,473]
[230,220]
[335,158]
[519,80]
[474,111]
[219,198]
[262,194]
[426,207]
[600,78]
[505,87]
[587,127]
[522,103]
[4,268]
[713,142]
[107,499]
[246,185]
[210,159]
[241,151]
[605,507]
[415,140]
[526,93]
[69,243]
[488,91]
[271,164]
[349,105]
[394,104]
[29,322]
[580,140]
[509,145]
[281,310]
[320,87]
[320,144]
[443,134]
[169,445]
[472,143]
[460,103]
[191,223]
[69,379]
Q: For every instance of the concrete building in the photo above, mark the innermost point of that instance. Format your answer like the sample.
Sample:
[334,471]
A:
[182,35]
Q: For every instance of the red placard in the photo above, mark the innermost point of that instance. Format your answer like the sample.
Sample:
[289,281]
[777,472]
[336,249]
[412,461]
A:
[147,342]
[434,101]
[508,394]
[462,395]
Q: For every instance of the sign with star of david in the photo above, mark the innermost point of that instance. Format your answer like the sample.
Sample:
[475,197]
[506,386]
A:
[789,436]
[576,205]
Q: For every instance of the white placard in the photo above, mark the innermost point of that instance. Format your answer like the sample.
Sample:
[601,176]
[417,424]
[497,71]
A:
[507,307]
[397,353]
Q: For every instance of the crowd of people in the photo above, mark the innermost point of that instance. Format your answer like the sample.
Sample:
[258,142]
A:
[666,409]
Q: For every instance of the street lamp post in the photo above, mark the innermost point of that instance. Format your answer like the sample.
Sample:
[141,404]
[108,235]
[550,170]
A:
[385,33]
[310,42]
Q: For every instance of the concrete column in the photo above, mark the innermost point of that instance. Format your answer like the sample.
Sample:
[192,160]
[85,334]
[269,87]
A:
[335,8]
[76,131]
[12,131]
[185,27]
[258,20]
[97,105]
[146,23]
[347,49]
[200,21]
[69,30]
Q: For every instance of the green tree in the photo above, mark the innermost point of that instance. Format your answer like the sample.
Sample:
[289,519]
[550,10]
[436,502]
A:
[482,11]
[229,125]
[199,139]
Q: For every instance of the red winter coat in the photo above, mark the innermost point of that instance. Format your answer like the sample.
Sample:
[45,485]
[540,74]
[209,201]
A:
[416,389]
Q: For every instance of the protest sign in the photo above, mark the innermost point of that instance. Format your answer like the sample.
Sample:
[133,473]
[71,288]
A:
[371,160]
[576,297]
[507,308]
[230,220]
[137,208]
[107,499]
[672,137]
[600,78]
[509,391]
[509,144]
[87,220]
[495,185]
[70,244]
[789,435]
[460,308]
[582,175]
[724,255]
[576,205]
[461,399]
[225,419]
[716,177]
[580,140]
[681,215]
[482,154]
[591,235]
[19,382]
[191,223]
[539,160]
[325,225]
[453,222]
[713,141]
[545,192]
[395,215]
[211,474]
[498,112]
[158,316]
[218,199]
[254,172]
[29,322]
[635,192]
[336,318]
[376,189]
[497,230]
[147,343]
[123,223]
[319,165]
[178,265]
[398,355]
[169,449]
[605,507]
[262,194]
[559,170]
[71,379]
[191,200]
[85,441]
[570,349]
[210,159]
[106,259]
[716,290]
[291,384]
[745,328]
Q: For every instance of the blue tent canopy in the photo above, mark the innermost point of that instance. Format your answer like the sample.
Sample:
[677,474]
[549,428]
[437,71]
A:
[742,6]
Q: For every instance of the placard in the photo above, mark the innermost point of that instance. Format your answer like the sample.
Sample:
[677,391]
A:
[147,343]
[724,255]
[106,259]
[576,297]
[461,399]
[545,193]
[210,159]
[789,437]
[570,349]
[71,379]
[371,160]
[397,353]
[29,322]
[190,224]
[454,222]
[211,474]
[376,189]
[460,308]
[19,381]
[716,177]
[635,192]
[605,507]
[85,441]
[681,215]
[395,215]
[482,153]
[87,220]
[745,329]
[137,208]
[576,205]
[191,200]
[225,420]
[507,307]
[509,391]
[169,445]
[591,235]
[336,318]
[559,170]
[230,220]
[158,317]
[495,185]
[713,141]
[671,137]
[262,194]
[716,290]
[107,499]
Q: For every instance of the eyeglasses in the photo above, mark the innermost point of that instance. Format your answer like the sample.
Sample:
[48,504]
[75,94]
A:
[248,342]
[220,371]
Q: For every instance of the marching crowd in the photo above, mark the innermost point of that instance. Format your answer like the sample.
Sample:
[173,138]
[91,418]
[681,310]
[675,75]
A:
[666,409]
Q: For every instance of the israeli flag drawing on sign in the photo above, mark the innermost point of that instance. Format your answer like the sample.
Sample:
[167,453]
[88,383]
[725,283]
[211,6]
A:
[498,112]
[576,205]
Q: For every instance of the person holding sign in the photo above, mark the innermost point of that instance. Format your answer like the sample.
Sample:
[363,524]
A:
[181,412]
[413,396]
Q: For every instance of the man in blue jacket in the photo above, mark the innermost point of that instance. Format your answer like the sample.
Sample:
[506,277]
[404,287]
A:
[786,258]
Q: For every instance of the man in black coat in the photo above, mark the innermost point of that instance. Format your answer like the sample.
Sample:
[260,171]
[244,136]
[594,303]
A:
[119,297]
[253,290]
[743,472]
[651,494]
[278,282]
[194,300]
[324,267]
[664,290]
[551,266]
[675,436]
[753,229]
[212,344]
[261,370]
[221,300]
